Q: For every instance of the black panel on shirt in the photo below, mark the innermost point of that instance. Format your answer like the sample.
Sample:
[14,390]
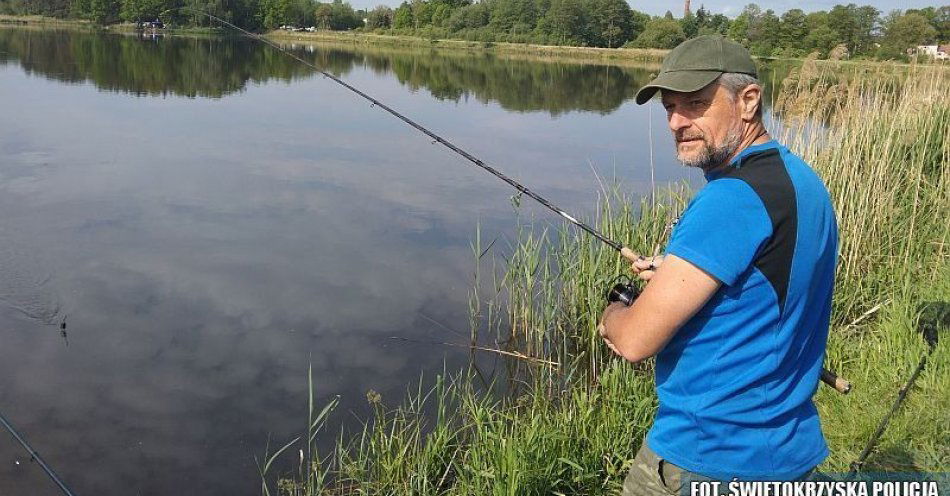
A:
[765,172]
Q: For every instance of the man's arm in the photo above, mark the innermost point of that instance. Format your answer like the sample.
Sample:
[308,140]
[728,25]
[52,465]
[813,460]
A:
[675,292]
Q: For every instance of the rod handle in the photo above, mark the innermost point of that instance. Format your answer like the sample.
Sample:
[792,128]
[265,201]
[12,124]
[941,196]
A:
[629,254]
[837,383]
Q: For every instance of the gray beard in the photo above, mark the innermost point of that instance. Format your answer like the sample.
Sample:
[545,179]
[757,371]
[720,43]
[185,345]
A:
[712,157]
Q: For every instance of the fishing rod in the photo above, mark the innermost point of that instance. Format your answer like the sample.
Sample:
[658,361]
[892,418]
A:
[35,456]
[624,292]
[934,317]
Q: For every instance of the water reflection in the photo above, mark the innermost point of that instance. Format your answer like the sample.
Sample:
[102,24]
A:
[214,67]
[207,250]
[158,66]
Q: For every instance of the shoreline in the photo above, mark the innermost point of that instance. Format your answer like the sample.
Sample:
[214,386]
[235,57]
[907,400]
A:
[612,55]
[640,57]
[44,22]
[593,54]
[37,20]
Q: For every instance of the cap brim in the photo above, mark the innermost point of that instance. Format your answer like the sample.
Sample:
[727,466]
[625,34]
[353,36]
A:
[682,81]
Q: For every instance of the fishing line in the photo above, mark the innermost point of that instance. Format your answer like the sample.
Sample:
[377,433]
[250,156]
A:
[624,291]
[35,456]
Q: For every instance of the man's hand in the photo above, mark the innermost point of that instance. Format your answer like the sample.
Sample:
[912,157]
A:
[673,295]
[613,307]
[643,267]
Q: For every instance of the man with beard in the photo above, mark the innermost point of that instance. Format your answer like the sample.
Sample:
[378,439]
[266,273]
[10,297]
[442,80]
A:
[736,311]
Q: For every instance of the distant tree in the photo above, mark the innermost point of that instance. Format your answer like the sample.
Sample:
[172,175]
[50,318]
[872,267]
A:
[928,13]
[274,13]
[939,18]
[794,30]
[842,19]
[941,22]
[855,26]
[246,13]
[440,14]
[707,23]
[344,17]
[541,7]
[102,11]
[764,32]
[402,16]
[506,14]
[137,10]
[702,16]
[421,13]
[564,22]
[77,8]
[610,22]
[821,38]
[867,27]
[380,17]
[53,8]
[690,25]
[739,29]
[660,33]
[299,13]
[906,32]
[469,17]
[638,22]
[323,16]
[715,24]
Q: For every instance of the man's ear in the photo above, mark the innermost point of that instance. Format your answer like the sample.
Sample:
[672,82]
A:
[750,98]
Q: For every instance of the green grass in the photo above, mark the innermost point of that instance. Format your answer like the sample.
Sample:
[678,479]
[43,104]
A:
[572,428]
[879,359]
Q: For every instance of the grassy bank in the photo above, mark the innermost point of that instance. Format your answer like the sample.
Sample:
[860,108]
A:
[545,51]
[567,416]
[35,20]
[44,22]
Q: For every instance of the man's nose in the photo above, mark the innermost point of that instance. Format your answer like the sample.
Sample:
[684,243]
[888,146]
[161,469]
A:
[678,122]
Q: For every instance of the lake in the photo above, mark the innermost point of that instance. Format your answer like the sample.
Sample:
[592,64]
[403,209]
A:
[210,217]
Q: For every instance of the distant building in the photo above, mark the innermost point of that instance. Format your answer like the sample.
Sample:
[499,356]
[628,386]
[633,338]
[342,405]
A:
[936,52]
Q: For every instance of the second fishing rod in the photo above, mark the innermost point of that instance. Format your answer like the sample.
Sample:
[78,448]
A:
[625,292]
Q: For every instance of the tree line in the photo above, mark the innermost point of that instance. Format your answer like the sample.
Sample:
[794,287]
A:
[255,15]
[845,30]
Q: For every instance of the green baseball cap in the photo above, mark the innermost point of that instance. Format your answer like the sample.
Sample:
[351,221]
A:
[697,62]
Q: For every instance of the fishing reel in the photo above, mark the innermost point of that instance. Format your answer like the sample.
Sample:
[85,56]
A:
[623,290]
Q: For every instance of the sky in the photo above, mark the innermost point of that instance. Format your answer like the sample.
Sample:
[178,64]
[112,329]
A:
[730,8]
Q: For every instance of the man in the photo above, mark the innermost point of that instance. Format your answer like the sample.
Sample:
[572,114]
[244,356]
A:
[737,310]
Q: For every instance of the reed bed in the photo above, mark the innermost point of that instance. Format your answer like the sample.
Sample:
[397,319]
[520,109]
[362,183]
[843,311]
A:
[879,138]
[566,416]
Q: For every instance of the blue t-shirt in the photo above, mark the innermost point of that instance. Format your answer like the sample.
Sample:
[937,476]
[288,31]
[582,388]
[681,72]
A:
[735,383]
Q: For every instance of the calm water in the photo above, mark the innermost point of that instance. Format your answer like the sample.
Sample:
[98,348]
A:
[209,218]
